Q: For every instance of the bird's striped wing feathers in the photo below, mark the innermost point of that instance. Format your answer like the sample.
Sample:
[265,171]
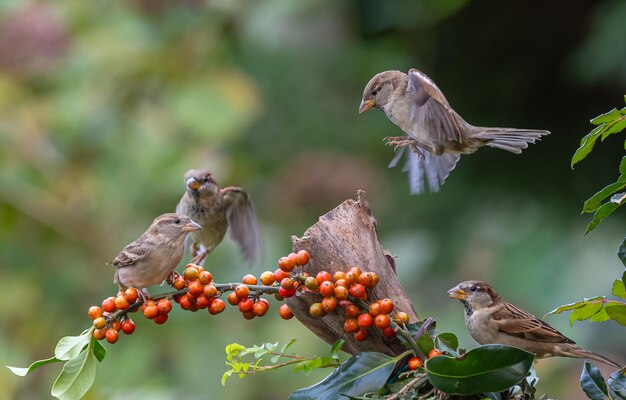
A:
[516,322]
[134,252]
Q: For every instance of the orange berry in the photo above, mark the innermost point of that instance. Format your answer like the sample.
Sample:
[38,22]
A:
[329,304]
[248,315]
[246,305]
[355,271]
[286,283]
[249,279]
[131,295]
[108,304]
[267,278]
[352,311]
[191,273]
[259,308]
[316,310]
[179,283]
[164,306]
[128,326]
[99,323]
[327,289]
[194,288]
[152,311]
[386,306]
[311,283]
[186,302]
[401,318]
[351,325]
[382,321]
[389,332]
[112,335]
[341,292]
[285,312]
[161,319]
[365,320]
[339,275]
[117,325]
[279,275]
[286,264]
[147,303]
[434,353]
[99,334]
[121,303]
[374,278]
[216,306]
[342,282]
[233,299]
[293,258]
[357,290]
[203,301]
[415,363]
[360,335]
[209,290]
[94,312]
[302,257]
[365,280]
[286,292]
[242,291]
[374,308]
[205,277]
[323,276]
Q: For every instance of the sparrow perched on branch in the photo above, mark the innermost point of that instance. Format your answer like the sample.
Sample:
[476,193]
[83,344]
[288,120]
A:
[217,210]
[152,258]
[491,320]
[434,131]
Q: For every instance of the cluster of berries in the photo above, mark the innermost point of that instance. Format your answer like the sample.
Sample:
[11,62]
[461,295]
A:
[415,363]
[106,326]
[201,291]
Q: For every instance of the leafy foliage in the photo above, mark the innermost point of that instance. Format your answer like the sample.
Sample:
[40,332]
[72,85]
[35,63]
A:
[617,385]
[593,383]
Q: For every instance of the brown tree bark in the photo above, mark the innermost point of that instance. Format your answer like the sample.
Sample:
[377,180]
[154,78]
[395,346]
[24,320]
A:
[342,238]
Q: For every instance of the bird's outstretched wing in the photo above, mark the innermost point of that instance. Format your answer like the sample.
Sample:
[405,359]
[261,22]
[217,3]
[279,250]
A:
[430,109]
[425,168]
[242,223]
[514,321]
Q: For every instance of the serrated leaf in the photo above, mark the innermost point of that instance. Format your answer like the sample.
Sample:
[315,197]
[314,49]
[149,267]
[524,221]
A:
[488,368]
[76,378]
[360,374]
[621,253]
[617,312]
[592,382]
[25,371]
[573,306]
[70,346]
[594,202]
[604,211]
[584,312]
[606,117]
[618,289]
[287,345]
[617,385]
[98,350]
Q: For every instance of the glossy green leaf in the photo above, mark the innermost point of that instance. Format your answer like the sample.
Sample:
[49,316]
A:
[617,312]
[25,371]
[595,201]
[573,306]
[98,350]
[488,368]
[447,342]
[592,382]
[617,385]
[615,127]
[604,211]
[606,117]
[621,253]
[600,316]
[585,312]
[363,373]
[76,378]
[586,145]
[337,346]
[70,346]
[618,289]
[287,345]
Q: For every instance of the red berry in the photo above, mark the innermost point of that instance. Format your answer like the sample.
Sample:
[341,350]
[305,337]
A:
[131,295]
[351,325]
[434,353]
[249,279]
[99,334]
[293,258]
[152,311]
[382,321]
[374,309]
[164,306]
[232,298]
[246,305]
[365,280]
[386,306]
[339,275]
[205,277]
[248,315]
[259,309]
[286,264]
[191,273]
[279,275]
[267,278]
[186,302]
[341,292]
[194,288]
[302,257]
[121,303]
[365,320]
[323,276]
[286,283]
[415,363]
[352,311]
[327,288]
[179,283]
[329,304]
[94,312]
[112,335]
[161,319]
[108,304]
[209,290]
[203,301]
[360,335]
[374,278]
[286,292]
[216,306]
[117,325]
[285,312]
[242,291]
[357,291]
[389,332]
[342,282]
[128,326]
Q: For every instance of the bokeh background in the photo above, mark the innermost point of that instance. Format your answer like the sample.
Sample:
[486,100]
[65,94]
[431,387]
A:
[105,105]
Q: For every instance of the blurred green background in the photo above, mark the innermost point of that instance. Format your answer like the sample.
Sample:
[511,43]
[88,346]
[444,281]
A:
[105,105]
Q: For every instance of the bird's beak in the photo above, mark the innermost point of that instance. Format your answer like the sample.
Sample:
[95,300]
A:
[366,105]
[457,293]
[192,183]
[192,226]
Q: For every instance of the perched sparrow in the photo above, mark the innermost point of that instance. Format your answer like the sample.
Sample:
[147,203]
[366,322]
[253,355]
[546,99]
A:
[435,132]
[216,210]
[152,258]
[490,319]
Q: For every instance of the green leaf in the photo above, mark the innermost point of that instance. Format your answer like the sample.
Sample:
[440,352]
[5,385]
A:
[233,349]
[592,382]
[604,211]
[70,346]
[586,145]
[426,343]
[614,127]
[606,117]
[287,345]
[76,378]
[98,350]
[489,368]
[601,316]
[447,342]
[618,289]
[584,312]
[594,202]
[337,346]
[573,306]
[621,253]
[617,312]
[363,373]
[226,375]
[25,371]
[617,385]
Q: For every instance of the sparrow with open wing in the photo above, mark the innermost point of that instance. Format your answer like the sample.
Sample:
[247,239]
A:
[217,210]
[491,320]
[434,131]
[152,258]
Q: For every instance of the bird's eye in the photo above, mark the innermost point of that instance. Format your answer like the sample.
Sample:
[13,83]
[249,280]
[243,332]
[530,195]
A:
[473,289]
[374,92]
[177,220]
[205,180]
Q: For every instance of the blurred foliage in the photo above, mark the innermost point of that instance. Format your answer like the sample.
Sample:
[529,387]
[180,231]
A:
[105,105]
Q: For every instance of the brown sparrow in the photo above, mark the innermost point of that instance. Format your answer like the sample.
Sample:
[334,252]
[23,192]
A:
[217,210]
[491,320]
[152,258]
[434,131]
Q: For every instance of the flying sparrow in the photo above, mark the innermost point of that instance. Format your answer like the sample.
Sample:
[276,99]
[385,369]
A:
[434,131]
[491,320]
[152,258]
[217,210]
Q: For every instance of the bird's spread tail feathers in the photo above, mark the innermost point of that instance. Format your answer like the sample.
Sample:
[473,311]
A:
[510,139]
[434,168]
[577,352]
